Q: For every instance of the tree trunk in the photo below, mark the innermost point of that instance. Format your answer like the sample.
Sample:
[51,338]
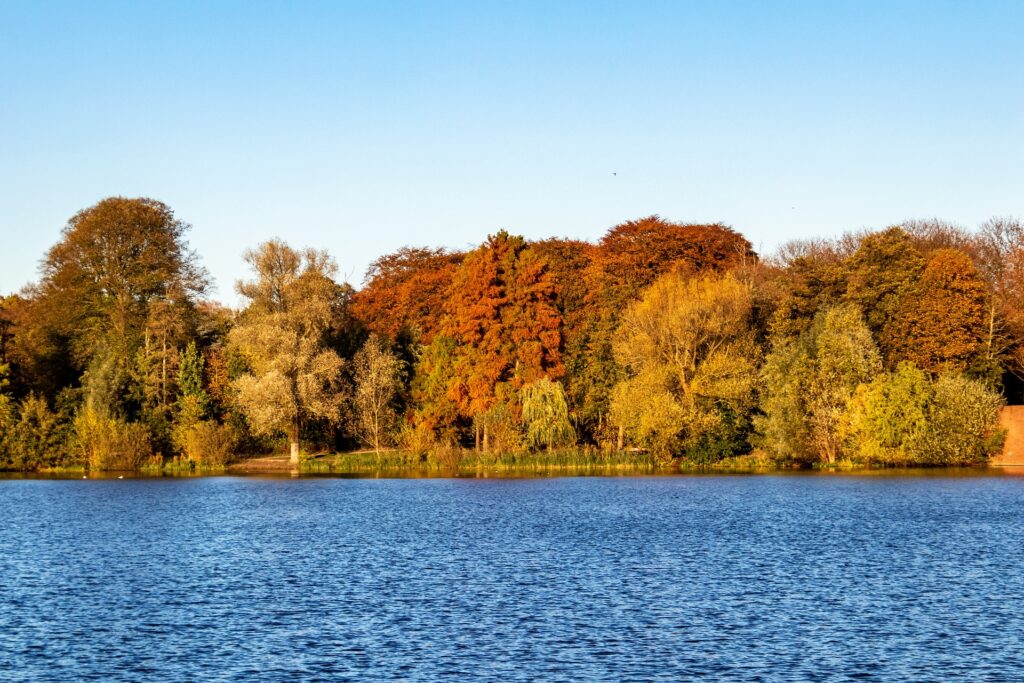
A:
[293,440]
[622,437]
[476,435]
[163,375]
[486,445]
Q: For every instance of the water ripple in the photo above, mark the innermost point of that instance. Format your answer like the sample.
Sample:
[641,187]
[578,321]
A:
[737,578]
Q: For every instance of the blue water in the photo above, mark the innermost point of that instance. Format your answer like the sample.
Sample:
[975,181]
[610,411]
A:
[732,577]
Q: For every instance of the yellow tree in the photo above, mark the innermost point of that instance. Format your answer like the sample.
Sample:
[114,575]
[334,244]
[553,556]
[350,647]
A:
[293,374]
[689,356]
[378,379]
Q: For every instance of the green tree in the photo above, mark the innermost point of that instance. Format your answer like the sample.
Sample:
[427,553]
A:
[293,375]
[38,438]
[963,423]
[193,401]
[435,410]
[889,417]
[116,264]
[808,383]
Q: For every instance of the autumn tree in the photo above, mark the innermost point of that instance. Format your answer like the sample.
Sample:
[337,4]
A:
[1000,247]
[940,321]
[881,274]
[811,276]
[118,263]
[502,316]
[378,374]
[293,375]
[632,255]
[627,260]
[38,356]
[406,290]
[690,361]
[570,263]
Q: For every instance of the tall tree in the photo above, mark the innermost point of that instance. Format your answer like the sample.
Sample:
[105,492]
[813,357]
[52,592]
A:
[406,290]
[114,262]
[632,255]
[627,260]
[293,374]
[689,355]
[881,273]
[434,392]
[378,379]
[808,383]
[119,264]
[940,324]
[1000,247]
[502,314]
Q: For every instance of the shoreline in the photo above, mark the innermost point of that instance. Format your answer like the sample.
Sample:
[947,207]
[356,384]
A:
[346,465]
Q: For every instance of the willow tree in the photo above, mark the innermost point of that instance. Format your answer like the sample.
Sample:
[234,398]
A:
[546,414]
[293,374]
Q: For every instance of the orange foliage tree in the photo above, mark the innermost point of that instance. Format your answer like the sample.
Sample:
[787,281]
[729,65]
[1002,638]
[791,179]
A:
[632,255]
[502,314]
[406,290]
[940,325]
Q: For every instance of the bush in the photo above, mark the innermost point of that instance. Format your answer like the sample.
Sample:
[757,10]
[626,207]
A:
[962,423]
[888,417]
[209,444]
[730,438]
[902,418]
[106,443]
[36,439]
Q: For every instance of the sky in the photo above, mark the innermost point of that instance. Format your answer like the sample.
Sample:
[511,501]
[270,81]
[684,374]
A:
[364,127]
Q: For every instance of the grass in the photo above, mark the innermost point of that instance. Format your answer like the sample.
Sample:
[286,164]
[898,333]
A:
[467,461]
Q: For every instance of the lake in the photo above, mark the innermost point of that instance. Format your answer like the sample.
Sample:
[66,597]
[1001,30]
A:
[766,577]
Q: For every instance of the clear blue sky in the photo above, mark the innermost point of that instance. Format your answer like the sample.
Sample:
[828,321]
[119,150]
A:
[362,127]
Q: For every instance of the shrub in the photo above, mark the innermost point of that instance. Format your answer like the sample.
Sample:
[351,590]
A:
[962,423]
[902,418]
[36,439]
[107,443]
[888,417]
[209,444]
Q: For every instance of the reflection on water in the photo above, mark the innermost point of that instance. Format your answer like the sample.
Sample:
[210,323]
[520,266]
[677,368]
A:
[803,576]
[542,473]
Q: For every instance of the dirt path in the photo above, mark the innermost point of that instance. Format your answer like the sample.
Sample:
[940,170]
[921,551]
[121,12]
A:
[267,463]
[270,463]
[1011,418]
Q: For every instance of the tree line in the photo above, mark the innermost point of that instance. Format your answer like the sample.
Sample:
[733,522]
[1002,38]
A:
[675,341]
